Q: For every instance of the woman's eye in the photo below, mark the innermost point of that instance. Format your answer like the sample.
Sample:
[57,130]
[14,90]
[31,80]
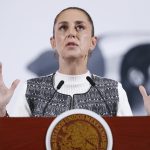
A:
[80,28]
[63,28]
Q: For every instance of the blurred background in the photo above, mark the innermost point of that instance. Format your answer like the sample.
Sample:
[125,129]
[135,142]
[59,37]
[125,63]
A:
[122,52]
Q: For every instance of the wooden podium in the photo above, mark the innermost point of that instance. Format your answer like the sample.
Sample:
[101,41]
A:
[129,133]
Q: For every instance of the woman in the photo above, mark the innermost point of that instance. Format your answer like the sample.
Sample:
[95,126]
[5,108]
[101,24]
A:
[72,86]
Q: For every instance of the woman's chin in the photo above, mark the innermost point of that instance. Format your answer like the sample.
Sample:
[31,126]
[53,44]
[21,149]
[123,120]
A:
[72,57]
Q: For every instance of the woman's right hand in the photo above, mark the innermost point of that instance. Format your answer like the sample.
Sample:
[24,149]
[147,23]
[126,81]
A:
[5,93]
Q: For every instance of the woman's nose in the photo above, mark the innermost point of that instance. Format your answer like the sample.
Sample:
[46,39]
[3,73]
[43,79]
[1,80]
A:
[71,32]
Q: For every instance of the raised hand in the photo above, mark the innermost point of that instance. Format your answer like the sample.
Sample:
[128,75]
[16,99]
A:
[5,93]
[146,98]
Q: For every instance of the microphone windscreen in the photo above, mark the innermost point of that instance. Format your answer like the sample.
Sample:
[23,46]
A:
[60,84]
[90,81]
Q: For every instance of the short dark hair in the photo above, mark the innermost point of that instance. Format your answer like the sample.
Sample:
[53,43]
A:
[77,8]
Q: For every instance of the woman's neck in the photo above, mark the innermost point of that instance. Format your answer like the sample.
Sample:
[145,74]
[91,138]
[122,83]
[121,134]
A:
[72,68]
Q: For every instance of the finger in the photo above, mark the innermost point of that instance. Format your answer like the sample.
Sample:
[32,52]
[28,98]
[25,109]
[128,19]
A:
[0,69]
[1,76]
[14,85]
[142,91]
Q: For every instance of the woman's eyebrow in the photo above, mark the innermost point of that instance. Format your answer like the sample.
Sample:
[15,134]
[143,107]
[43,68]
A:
[79,22]
[76,22]
[62,22]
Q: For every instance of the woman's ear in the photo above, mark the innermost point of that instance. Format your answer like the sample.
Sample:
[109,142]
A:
[52,41]
[93,43]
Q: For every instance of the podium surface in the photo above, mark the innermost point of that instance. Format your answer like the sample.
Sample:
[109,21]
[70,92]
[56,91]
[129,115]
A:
[129,133]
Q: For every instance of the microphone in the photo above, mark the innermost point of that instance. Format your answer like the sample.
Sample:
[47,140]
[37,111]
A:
[90,81]
[100,92]
[60,84]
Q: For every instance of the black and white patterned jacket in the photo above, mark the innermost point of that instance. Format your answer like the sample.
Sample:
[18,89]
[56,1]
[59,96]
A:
[40,92]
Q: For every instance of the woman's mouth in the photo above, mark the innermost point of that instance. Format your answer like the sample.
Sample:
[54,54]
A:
[71,44]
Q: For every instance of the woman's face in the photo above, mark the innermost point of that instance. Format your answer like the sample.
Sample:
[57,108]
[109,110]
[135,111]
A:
[72,37]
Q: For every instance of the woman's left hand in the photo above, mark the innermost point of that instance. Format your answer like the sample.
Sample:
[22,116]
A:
[146,98]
